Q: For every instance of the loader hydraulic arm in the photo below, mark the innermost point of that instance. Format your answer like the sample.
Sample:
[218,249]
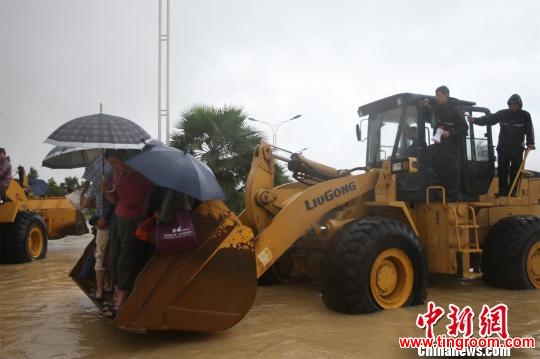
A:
[303,212]
[280,216]
[262,200]
[259,182]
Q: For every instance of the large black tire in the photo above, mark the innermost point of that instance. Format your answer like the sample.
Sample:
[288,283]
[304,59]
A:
[2,241]
[25,239]
[374,264]
[511,253]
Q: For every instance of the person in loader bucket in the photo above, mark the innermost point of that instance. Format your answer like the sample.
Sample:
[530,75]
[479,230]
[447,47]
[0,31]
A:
[5,173]
[515,123]
[451,126]
[130,193]
[93,198]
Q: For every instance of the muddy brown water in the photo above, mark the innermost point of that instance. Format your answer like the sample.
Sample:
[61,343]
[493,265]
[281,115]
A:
[43,314]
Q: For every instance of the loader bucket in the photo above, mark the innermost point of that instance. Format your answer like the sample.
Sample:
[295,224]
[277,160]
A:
[61,217]
[207,289]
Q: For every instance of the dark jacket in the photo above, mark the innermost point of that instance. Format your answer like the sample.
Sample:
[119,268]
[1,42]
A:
[450,118]
[5,174]
[514,127]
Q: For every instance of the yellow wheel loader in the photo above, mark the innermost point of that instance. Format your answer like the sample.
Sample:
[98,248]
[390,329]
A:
[26,223]
[369,234]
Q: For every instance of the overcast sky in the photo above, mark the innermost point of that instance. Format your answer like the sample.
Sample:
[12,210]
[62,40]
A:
[322,59]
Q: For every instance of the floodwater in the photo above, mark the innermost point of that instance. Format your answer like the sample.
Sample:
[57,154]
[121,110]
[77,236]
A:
[43,314]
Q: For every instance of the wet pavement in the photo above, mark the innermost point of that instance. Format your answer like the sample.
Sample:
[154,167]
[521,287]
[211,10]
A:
[43,314]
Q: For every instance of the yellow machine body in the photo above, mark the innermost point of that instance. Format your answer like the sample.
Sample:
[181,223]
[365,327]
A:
[60,216]
[26,223]
[347,230]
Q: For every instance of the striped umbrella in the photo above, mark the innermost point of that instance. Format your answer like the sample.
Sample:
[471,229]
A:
[99,131]
[98,168]
[70,157]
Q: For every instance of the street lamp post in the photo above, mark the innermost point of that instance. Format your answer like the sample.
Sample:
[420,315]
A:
[274,126]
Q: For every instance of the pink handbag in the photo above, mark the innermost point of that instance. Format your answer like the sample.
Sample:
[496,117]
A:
[177,235]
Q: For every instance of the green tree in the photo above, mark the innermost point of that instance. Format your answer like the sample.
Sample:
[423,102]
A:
[222,139]
[54,190]
[71,183]
[32,173]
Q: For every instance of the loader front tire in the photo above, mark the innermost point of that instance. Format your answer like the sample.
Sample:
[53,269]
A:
[282,271]
[511,253]
[374,264]
[25,239]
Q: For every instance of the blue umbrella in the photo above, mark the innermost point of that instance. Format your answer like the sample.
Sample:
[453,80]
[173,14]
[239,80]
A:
[171,168]
[39,186]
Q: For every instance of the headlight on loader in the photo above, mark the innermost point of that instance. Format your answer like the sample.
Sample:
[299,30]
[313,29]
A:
[404,165]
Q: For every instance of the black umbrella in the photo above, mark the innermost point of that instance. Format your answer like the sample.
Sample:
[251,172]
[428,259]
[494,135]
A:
[99,131]
[171,168]
[70,157]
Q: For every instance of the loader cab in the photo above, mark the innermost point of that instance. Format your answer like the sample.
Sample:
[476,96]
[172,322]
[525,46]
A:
[401,126]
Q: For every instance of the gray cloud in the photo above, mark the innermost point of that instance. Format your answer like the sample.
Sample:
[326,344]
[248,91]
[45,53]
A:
[322,59]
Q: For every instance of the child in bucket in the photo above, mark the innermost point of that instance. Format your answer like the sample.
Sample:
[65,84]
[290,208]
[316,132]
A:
[103,218]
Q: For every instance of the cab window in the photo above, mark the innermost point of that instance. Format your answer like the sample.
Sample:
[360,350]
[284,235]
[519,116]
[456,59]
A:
[383,128]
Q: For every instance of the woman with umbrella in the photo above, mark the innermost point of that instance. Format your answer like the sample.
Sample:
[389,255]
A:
[130,193]
[83,139]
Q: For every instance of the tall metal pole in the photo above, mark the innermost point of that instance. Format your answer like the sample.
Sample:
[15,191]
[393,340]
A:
[163,76]
[159,74]
[168,68]
[274,126]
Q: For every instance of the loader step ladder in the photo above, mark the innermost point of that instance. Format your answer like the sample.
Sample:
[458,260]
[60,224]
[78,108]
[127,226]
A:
[468,254]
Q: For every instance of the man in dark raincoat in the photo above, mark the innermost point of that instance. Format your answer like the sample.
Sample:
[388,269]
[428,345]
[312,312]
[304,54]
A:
[446,155]
[5,172]
[515,123]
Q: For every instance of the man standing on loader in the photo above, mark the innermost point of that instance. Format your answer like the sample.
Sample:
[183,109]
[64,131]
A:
[446,155]
[515,123]
[5,173]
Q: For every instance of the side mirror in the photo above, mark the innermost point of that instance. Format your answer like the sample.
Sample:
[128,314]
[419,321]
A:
[359,131]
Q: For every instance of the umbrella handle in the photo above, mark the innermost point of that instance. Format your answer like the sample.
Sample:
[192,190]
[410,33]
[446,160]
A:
[102,164]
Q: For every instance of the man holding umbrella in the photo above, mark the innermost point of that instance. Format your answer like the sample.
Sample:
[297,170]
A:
[130,193]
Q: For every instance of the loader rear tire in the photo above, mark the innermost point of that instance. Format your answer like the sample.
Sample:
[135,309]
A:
[374,264]
[25,239]
[511,253]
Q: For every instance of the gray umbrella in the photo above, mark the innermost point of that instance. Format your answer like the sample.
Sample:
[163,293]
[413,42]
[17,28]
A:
[97,169]
[99,131]
[70,157]
[171,168]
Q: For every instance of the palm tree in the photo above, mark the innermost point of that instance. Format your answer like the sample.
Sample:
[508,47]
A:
[222,139]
